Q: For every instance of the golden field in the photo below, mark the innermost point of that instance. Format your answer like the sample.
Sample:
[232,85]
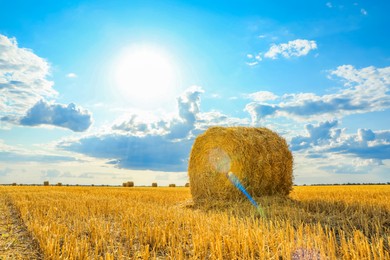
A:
[314,222]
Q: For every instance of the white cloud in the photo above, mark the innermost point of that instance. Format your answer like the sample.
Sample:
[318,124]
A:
[329,4]
[365,90]
[253,63]
[296,48]
[216,118]
[254,59]
[71,75]
[363,11]
[262,96]
[258,57]
[23,78]
[325,138]
[67,116]
[24,89]
[162,144]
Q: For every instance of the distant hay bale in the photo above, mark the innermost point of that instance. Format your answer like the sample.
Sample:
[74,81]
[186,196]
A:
[172,185]
[14,184]
[259,157]
[187,185]
[46,183]
[124,184]
[154,184]
[129,184]
[59,184]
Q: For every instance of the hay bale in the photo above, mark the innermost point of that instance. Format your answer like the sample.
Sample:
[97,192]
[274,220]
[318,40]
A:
[129,184]
[59,184]
[259,157]
[46,183]
[154,184]
[14,184]
[172,185]
[187,185]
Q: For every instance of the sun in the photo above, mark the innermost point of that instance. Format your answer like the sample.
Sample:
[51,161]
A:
[145,76]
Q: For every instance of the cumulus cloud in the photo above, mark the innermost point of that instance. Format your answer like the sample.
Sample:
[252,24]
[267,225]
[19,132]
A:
[66,116]
[137,126]
[23,78]
[24,87]
[295,48]
[160,145]
[188,106]
[315,135]
[365,90]
[325,137]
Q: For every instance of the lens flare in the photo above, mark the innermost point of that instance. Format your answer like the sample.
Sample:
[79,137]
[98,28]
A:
[236,182]
[221,162]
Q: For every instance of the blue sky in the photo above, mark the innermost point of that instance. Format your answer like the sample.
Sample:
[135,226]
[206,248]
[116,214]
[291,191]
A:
[101,92]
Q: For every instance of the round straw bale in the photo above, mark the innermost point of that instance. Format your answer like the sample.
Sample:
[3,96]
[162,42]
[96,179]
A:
[259,157]
[154,184]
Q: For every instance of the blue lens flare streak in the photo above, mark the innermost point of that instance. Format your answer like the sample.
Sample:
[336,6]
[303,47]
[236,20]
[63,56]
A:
[236,182]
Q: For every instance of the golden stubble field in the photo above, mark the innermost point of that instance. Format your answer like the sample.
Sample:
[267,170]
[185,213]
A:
[314,222]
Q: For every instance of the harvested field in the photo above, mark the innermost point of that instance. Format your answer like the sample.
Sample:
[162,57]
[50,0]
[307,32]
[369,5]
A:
[15,241]
[327,222]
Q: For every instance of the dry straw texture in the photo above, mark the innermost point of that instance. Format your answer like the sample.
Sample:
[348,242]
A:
[259,157]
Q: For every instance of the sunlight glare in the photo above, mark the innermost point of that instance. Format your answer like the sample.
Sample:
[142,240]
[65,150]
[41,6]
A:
[145,75]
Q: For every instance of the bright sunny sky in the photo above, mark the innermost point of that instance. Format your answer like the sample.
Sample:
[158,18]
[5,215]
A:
[103,92]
